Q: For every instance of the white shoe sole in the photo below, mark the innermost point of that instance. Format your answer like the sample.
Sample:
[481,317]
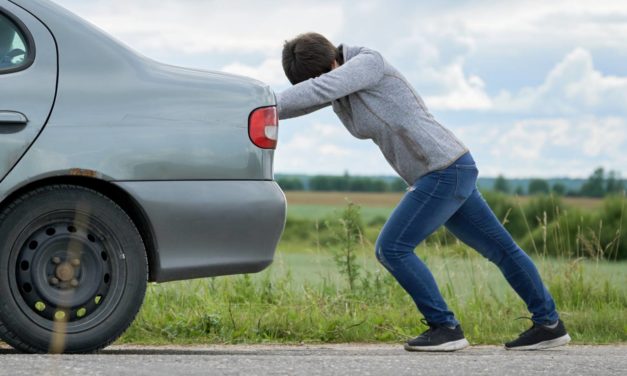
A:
[448,346]
[560,341]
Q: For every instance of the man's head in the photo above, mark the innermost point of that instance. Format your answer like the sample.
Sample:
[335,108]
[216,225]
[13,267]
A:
[307,56]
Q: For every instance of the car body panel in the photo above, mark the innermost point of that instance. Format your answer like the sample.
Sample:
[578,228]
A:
[173,139]
[164,122]
[36,93]
[225,227]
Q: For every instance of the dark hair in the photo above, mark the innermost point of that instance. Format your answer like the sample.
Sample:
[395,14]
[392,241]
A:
[307,56]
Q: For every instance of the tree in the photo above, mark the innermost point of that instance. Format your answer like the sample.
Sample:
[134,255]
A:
[520,191]
[290,184]
[501,184]
[614,183]
[559,189]
[321,183]
[594,186]
[398,185]
[343,183]
[538,186]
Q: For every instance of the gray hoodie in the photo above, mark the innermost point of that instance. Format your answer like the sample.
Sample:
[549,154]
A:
[374,101]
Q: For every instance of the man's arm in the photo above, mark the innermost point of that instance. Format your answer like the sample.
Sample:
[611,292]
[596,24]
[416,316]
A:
[286,113]
[360,72]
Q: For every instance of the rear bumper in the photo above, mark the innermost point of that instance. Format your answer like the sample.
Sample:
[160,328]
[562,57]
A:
[211,228]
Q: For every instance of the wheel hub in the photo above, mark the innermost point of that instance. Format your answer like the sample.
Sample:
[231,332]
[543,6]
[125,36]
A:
[64,271]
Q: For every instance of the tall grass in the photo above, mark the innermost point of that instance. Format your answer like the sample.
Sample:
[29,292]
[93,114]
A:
[277,307]
[573,233]
[543,226]
[326,285]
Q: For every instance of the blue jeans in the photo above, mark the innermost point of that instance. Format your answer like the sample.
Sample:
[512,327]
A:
[450,197]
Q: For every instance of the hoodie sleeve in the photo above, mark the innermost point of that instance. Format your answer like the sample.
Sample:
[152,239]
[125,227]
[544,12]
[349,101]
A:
[286,113]
[358,73]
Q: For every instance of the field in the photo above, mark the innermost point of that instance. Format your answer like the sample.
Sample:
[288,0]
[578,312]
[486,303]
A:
[308,296]
[318,204]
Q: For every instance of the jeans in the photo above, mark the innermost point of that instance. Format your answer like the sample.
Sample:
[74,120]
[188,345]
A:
[450,197]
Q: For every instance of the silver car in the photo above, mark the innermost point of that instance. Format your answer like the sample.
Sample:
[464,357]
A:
[116,170]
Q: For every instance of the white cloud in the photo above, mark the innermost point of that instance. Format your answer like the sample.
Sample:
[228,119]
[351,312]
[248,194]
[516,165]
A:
[607,137]
[462,93]
[509,26]
[191,26]
[549,146]
[269,71]
[572,87]
[327,149]
[543,147]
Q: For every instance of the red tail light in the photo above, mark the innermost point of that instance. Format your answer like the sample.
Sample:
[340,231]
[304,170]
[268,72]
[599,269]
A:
[263,127]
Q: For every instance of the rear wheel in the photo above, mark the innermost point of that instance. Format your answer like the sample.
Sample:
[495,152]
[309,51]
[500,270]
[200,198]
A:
[73,270]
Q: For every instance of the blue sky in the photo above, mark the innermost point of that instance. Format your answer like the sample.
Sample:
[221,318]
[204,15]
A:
[534,88]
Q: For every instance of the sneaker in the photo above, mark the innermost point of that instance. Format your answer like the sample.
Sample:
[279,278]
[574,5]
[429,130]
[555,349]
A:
[438,338]
[540,337]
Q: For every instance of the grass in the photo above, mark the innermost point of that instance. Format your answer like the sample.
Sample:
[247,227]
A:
[300,201]
[318,205]
[322,211]
[303,298]
[326,285]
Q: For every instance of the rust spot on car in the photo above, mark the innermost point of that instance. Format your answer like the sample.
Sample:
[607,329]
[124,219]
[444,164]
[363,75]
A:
[83,172]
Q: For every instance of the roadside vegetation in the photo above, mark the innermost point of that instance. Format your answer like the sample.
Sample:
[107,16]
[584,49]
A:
[599,184]
[326,285]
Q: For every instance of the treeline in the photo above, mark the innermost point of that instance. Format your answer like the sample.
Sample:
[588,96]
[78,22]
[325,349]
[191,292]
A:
[598,184]
[344,183]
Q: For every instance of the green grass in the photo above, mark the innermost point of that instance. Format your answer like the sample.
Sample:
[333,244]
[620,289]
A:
[303,298]
[311,295]
[320,212]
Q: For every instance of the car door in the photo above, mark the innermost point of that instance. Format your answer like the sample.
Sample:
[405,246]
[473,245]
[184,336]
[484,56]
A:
[28,80]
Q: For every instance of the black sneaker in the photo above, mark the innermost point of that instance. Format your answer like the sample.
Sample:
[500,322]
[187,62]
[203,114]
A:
[540,337]
[438,338]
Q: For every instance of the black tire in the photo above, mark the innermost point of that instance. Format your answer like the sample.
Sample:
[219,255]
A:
[73,271]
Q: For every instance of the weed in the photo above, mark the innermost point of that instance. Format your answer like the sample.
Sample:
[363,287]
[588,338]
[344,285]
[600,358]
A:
[329,287]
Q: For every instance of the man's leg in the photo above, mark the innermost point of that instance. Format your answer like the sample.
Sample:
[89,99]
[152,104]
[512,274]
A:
[420,212]
[476,225]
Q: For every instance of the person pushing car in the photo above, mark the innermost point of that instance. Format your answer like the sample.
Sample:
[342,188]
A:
[374,101]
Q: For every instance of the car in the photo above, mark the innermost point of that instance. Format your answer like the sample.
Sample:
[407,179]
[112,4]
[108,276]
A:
[117,170]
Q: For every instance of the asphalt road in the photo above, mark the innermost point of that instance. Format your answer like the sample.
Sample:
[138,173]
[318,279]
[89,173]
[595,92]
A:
[351,359]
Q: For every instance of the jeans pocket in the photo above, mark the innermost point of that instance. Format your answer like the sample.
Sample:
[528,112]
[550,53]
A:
[466,180]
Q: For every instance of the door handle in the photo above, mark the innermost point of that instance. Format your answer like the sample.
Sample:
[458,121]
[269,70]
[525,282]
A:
[13,118]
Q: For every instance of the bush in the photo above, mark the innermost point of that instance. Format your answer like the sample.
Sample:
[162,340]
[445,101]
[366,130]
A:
[576,233]
[303,229]
[377,221]
[347,231]
[290,184]
[544,225]
[520,219]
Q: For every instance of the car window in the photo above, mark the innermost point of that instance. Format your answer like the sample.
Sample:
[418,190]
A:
[13,46]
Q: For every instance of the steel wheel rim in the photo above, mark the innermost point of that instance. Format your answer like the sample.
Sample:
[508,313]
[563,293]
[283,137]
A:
[86,291]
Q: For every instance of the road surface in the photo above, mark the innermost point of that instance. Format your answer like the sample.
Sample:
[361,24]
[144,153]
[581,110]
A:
[346,359]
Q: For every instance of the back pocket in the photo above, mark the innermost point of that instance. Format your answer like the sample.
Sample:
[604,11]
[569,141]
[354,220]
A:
[466,180]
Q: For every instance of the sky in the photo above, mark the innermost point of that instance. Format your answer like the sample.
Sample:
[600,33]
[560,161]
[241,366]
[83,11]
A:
[533,88]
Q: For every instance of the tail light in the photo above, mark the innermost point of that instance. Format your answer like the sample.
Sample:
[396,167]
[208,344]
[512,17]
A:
[263,127]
